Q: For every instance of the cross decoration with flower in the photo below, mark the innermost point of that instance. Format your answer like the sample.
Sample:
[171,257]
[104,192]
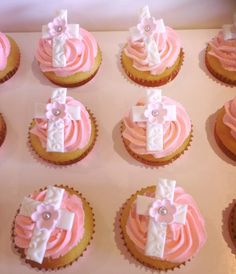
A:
[46,216]
[162,211]
[59,31]
[155,113]
[58,115]
[145,30]
[229,31]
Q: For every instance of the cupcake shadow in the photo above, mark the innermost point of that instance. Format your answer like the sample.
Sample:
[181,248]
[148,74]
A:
[121,244]
[202,65]
[120,149]
[214,143]
[225,229]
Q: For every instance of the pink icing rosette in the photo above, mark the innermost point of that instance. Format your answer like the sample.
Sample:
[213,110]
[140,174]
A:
[230,116]
[224,51]
[175,132]
[76,133]
[5,48]
[80,54]
[169,48]
[182,241]
[61,241]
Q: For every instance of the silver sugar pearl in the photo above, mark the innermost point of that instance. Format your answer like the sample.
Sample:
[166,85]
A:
[147,28]
[162,210]
[46,215]
[56,112]
[59,28]
[155,113]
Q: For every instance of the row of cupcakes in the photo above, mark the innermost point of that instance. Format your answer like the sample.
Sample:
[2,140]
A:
[156,131]
[69,56]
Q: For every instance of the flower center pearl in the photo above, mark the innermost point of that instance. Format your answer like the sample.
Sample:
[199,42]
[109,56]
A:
[155,113]
[162,210]
[147,28]
[59,29]
[56,112]
[46,215]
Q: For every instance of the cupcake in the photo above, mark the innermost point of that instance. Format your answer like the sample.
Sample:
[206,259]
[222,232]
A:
[220,54]
[153,54]
[232,224]
[162,226]
[157,130]
[63,131]
[9,57]
[53,227]
[68,55]
[3,129]
[225,128]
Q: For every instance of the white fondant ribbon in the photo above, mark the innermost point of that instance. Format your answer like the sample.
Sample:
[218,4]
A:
[58,41]
[156,236]
[40,237]
[229,31]
[154,130]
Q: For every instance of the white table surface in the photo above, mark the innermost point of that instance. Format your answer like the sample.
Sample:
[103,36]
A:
[108,175]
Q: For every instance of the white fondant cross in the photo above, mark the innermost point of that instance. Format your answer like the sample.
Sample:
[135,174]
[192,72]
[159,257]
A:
[40,237]
[153,55]
[58,41]
[154,130]
[229,31]
[55,128]
[156,236]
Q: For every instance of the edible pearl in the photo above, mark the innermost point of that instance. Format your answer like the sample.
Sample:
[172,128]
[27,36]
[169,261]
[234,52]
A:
[56,112]
[155,113]
[46,215]
[59,29]
[147,28]
[162,210]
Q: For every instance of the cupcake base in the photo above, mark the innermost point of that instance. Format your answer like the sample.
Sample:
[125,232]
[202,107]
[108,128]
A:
[13,62]
[3,129]
[76,252]
[77,79]
[225,140]
[232,224]
[148,159]
[145,78]
[215,68]
[65,158]
[134,251]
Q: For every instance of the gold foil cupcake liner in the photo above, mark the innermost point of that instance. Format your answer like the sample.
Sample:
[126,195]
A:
[149,262]
[46,266]
[155,162]
[71,161]
[159,82]
[3,132]
[218,76]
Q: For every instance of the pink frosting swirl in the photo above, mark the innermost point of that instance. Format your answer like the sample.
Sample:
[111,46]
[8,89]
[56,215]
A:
[61,241]
[169,47]
[5,48]
[224,51]
[175,132]
[80,54]
[182,241]
[230,116]
[76,133]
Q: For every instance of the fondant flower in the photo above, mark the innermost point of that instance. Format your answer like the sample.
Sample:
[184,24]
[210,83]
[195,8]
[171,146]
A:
[45,216]
[57,27]
[155,113]
[147,26]
[162,211]
[56,111]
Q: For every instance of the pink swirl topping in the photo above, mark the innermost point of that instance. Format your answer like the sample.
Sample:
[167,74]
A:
[61,241]
[76,133]
[80,54]
[230,116]
[169,48]
[175,132]
[5,48]
[224,51]
[182,241]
